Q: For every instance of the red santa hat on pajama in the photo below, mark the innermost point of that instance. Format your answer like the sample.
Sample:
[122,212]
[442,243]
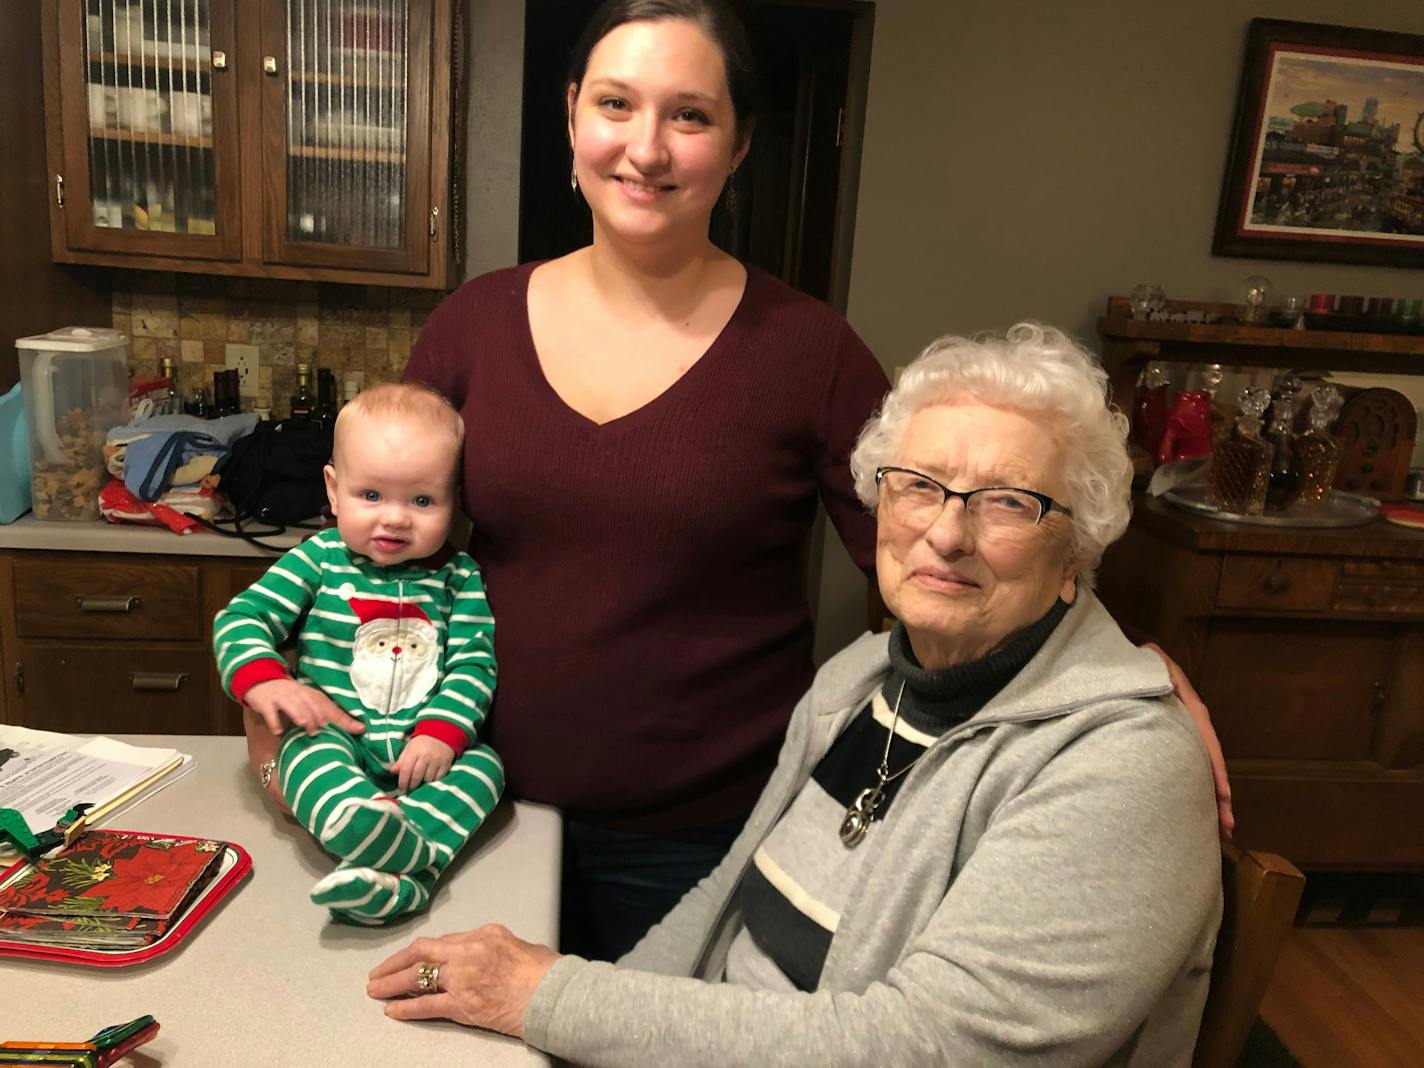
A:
[368,610]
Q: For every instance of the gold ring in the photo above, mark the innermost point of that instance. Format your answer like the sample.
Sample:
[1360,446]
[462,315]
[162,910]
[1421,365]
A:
[427,978]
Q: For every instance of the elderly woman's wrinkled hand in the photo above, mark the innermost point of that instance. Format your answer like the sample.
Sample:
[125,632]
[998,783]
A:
[485,978]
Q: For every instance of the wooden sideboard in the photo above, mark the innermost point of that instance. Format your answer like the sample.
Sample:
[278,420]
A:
[1308,647]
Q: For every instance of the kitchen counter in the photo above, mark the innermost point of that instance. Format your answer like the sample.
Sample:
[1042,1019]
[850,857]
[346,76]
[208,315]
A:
[267,978]
[99,535]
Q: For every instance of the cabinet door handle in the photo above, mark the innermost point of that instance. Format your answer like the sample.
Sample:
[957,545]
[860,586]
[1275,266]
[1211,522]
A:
[1278,582]
[269,64]
[92,603]
[219,59]
[158,680]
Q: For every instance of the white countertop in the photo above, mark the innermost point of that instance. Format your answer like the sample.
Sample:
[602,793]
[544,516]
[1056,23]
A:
[99,535]
[266,978]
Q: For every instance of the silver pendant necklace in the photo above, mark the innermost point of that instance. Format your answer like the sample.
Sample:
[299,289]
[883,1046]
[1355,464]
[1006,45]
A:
[861,812]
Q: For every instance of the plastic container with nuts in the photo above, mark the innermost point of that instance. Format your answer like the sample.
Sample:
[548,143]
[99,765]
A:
[75,383]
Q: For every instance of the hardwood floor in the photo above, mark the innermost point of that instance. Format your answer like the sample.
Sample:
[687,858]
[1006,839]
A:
[1350,997]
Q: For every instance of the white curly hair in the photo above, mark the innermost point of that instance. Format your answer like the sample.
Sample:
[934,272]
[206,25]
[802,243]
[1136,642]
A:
[1032,368]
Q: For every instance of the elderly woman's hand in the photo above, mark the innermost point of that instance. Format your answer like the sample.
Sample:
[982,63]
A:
[486,978]
[1187,694]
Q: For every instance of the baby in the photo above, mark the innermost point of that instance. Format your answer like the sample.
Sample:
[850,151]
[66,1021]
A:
[396,631]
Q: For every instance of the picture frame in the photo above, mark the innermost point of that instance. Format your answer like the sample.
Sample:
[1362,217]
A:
[1327,153]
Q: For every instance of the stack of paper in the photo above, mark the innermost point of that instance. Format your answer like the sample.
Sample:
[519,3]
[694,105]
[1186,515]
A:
[44,774]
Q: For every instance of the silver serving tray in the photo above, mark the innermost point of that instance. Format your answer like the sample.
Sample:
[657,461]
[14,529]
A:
[1337,510]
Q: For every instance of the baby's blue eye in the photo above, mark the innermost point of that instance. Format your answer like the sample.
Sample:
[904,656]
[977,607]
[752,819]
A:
[371,495]
[423,501]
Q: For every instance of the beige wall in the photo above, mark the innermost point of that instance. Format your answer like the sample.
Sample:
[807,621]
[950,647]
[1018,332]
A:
[1025,160]
[1022,159]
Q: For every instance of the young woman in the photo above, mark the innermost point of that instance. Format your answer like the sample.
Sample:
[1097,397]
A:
[650,425]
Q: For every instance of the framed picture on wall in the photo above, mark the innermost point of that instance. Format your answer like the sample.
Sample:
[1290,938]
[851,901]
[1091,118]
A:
[1327,157]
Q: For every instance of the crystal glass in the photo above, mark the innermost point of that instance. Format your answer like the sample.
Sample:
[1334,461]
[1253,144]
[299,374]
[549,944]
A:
[1284,482]
[1259,295]
[1317,448]
[1211,382]
[1146,299]
[1149,411]
[1291,313]
[1241,462]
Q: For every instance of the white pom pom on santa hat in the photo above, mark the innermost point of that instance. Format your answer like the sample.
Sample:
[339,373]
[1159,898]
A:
[368,609]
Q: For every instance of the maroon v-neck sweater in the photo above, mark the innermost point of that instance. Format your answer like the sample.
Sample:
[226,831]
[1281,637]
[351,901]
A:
[646,575]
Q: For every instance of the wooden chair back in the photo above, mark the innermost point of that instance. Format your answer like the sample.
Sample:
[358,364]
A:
[1261,893]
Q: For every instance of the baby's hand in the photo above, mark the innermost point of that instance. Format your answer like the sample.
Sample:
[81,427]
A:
[425,759]
[301,705]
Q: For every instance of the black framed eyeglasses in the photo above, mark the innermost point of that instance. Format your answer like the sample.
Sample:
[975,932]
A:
[917,500]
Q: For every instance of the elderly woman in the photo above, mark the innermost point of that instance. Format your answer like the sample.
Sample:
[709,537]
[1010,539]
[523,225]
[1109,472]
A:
[990,837]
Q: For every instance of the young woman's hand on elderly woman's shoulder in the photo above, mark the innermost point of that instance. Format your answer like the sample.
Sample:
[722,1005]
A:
[1187,694]
[486,979]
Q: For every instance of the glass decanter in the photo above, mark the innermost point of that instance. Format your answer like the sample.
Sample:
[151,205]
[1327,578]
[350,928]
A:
[1241,462]
[1149,412]
[1317,448]
[1284,483]
[1209,378]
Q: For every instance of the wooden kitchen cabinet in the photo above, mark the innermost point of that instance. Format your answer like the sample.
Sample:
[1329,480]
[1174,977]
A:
[1307,645]
[302,139]
[115,643]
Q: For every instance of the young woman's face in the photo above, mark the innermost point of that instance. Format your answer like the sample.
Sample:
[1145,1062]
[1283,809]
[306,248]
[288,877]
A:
[653,130]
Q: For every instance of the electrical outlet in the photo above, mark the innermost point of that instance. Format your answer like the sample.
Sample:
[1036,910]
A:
[244,358]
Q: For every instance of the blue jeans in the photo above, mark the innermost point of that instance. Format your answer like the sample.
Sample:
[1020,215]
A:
[617,884]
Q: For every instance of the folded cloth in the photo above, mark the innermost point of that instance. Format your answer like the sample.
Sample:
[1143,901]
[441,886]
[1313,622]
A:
[153,459]
[1177,475]
[165,450]
[225,430]
[188,474]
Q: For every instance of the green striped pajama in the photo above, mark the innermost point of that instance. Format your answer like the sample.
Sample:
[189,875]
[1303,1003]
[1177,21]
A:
[408,650]
[332,784]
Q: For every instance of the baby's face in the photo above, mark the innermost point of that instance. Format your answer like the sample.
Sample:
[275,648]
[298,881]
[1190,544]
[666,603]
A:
[391,485]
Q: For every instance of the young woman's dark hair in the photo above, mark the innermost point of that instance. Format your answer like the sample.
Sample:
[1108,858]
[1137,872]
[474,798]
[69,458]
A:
[714,17]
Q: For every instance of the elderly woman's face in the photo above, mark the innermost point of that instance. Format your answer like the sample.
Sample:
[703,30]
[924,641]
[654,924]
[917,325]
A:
[963,585]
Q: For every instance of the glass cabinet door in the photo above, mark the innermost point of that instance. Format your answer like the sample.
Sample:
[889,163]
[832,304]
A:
[346,121]
[149,118]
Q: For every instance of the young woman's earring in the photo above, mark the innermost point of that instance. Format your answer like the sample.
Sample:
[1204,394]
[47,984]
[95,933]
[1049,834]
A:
[573,176]
[732,192]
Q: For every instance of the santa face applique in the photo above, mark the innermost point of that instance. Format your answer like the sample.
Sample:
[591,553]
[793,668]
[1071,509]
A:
[395,657]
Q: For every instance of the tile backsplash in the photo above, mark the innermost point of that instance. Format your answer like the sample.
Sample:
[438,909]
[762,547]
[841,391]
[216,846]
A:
[192,318]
